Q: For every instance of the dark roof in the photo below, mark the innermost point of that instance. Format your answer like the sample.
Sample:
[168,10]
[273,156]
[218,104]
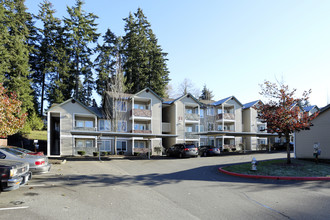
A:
[309,108]
[250,104]
[97,111]
[225,100]
[171,101]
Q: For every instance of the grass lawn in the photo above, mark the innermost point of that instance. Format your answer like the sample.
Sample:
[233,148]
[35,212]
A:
[301,168]
[37,135]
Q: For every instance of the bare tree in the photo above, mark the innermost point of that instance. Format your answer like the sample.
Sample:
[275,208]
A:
[188,87]
[115,100]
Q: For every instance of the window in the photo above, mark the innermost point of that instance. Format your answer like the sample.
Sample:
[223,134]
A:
[121,146]
[210,127]
[84,143]
[84,124]
[219,127]
[210,111]
[219,111]
[105,125]
[202,113]
[121,106]
[138,126]
[189,129]
[105,145]
[202,129]
[189,111]
[140,106]
[139,144]
[122,126]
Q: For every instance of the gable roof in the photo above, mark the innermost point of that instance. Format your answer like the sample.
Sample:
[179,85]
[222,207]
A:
[250,104]
[149,90]
[171,101]
[92,110]
[309,108]
[225,100]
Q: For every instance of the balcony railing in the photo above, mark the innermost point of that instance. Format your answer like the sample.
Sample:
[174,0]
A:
[84,129]
[141,113]
[190,135]
[192,117]
[228,116]
[142,131]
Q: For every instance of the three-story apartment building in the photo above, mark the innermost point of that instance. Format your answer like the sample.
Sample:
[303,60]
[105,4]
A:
[223,115]
[127,123]
[181,118]
[252,124]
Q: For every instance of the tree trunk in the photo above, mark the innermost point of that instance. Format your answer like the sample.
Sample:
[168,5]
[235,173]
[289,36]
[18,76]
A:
[287,138]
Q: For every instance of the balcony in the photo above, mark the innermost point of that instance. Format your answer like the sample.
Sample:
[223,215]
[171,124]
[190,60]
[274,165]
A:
[192,117]
[142,131]
[145,113]
[190,135]
[225,116]
[84,129]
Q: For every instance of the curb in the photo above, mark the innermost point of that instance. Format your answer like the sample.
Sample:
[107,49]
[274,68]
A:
[273,177]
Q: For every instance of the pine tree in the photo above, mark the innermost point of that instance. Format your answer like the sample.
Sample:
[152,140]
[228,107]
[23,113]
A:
[15,52]
[81,31]
[43,58]
[144,61]
[106,61]
[206,94]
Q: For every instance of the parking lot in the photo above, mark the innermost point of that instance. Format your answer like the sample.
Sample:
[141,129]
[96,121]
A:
[166,188]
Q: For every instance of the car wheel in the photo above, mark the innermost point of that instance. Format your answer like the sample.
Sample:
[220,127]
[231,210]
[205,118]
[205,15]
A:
[205,154]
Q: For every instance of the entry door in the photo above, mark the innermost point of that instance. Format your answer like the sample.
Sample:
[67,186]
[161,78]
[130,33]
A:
[55,136]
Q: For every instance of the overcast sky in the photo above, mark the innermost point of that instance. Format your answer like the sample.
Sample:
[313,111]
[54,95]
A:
[231,46]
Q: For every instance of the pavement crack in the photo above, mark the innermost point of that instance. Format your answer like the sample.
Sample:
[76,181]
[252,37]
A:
[265,206]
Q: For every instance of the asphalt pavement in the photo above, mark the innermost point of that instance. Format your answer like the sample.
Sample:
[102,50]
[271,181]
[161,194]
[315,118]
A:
[165,188]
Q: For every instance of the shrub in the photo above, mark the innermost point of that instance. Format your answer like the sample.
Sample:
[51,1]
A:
[81,152]
[95,154]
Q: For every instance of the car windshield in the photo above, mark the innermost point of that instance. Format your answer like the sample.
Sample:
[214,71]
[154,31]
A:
[190,146]
[13,151]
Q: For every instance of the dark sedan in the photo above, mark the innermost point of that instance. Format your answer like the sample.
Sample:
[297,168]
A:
[209,150]
[182,150]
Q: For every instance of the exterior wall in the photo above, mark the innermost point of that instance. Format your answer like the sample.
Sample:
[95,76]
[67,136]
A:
[67,112]
[317,133]
[246,118]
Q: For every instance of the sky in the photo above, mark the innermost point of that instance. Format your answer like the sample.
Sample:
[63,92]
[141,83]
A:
[231,46]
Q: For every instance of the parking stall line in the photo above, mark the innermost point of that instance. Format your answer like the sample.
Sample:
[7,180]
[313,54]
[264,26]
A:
[13,208]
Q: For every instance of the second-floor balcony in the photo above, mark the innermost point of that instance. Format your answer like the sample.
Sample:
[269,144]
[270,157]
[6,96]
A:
[225,116]
[145,113]
[142,131]
[192,117]
[191,135]
[84,129]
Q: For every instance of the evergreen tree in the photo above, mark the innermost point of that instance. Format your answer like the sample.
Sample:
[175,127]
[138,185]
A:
[81,31]
[43,58]
[106,61]
[15,69]
[206,94]
[144,61]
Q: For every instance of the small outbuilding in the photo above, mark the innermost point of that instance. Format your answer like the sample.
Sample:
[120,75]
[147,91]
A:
[319,134]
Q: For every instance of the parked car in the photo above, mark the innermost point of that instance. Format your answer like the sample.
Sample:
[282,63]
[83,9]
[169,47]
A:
[38,164]
[13,174]
[209,150]
[182,150]
[40,153]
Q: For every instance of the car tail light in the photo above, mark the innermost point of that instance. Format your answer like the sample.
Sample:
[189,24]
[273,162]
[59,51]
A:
[38,163]
[211,149]
[4,175]
[186,149]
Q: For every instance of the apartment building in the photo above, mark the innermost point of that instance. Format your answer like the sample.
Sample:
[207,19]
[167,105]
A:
[252,124]
[181,118]
[131,122]
[223,115]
